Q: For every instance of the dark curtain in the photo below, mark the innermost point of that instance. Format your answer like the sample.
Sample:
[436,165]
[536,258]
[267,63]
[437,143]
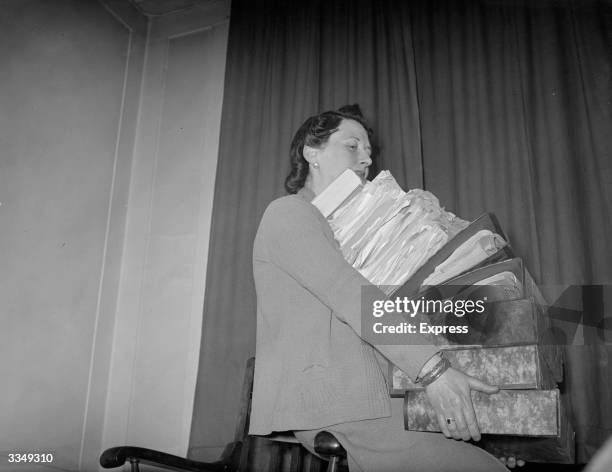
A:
[516,118]
[286,61]
[495,105]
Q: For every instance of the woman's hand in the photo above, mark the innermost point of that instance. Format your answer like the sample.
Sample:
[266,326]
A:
[451,399]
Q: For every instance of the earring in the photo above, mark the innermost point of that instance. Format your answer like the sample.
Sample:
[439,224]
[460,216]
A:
[315,165]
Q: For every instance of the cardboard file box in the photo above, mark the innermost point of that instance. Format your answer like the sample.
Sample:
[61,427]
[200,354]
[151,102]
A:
[534,413]
[512,315]
[511,367]
[464,285]
[503,323]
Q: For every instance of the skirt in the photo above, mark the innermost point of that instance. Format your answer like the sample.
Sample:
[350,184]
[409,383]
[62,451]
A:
[383,445]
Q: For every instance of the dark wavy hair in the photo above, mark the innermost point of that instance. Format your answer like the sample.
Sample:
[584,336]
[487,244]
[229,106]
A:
[315,132]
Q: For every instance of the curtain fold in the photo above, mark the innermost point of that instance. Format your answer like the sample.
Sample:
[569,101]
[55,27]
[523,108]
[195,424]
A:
[493,105]
[516,115]
[287,61]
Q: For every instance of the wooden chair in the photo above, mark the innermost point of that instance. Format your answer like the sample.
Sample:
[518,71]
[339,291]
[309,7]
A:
[278,452]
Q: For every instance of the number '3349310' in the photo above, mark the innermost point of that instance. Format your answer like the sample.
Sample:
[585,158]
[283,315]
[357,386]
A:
[16,457]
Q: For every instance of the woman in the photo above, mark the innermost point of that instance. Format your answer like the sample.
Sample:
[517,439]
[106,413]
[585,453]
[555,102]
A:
[313,370]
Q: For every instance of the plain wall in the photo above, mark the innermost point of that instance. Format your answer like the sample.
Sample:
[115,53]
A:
[63,83]
[109,130]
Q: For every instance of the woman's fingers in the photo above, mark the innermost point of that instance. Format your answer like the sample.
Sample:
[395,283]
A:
[520,462]
[471,422]
[443,426]
[454,425]
[454,431]
[451,424]
[450,397]
[476,384]
[511,462]
[462,430]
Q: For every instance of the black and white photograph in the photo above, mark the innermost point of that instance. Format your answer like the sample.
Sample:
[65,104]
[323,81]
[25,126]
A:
[306,235]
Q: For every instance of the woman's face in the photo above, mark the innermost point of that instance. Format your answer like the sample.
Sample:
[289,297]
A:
[347,148]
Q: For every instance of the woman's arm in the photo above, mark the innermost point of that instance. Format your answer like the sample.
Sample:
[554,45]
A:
[293,235]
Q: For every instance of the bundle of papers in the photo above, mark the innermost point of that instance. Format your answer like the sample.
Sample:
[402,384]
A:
[473,251]
[388,234]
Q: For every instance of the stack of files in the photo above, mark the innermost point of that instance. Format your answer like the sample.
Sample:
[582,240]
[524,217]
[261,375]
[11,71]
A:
[388,234]
[509,344]
[511,341]
[409,246]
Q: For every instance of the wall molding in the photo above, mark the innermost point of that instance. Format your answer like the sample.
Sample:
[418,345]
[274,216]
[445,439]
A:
[160,293]
[105,317]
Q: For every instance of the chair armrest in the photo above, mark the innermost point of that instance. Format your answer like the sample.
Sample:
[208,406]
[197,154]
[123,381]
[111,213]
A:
[117,456]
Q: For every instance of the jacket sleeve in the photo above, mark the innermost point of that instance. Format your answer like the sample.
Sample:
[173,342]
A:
[293,234]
